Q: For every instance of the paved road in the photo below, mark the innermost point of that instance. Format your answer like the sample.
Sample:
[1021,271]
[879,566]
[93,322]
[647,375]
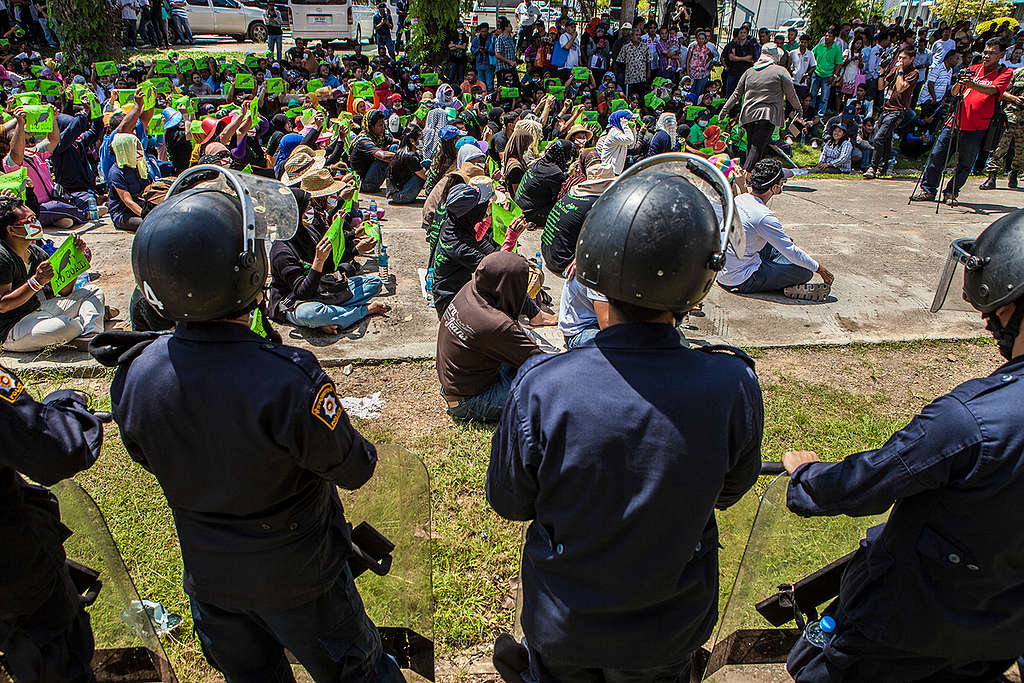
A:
[886,257]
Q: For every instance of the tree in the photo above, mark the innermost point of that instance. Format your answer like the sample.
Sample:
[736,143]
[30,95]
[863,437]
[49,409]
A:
[435,22]
[824,13]
[980,10]
[88,30]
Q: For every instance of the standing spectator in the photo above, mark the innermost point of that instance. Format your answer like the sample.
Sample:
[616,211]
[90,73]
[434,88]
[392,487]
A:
[482,48]
[828,59]
[873,57]
[157,23]
[1013,105]
[505,55]
[382,28]
[272,19]
[698,63]
[129,22]
[179,22]
[656,48]
[636,59]
[852,71]
[527,14]
[803,63]
[942,45]
[458,46]
[900,82]
[570,42]
[739,55]
[985,84]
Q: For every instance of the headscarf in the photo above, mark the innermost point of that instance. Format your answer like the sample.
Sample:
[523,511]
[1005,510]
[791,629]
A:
[284,150]
[770,55]
[560,153]
[467,153]
[532,126]
[128,154]
[500,282]
[588,157]
[445,97]
[436,120]
[515,152]
[667,123]
[616,119]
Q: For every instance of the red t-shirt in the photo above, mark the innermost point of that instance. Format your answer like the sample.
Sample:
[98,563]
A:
[978,107]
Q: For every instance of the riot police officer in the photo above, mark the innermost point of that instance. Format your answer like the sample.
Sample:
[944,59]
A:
[45,634]
[619,451]
[937,593]
[248,441]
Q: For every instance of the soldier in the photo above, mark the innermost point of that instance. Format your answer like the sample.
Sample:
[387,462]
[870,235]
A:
[1014,108]
[45,636]
[937,592]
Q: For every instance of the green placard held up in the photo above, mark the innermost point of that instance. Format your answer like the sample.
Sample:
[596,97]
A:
[95,110]
[68,263]
[422,112]
[38,118]
[378,79]
[692,111]
[509,93]
[501,218]
[30,85]
[590,117]
[314,84]
[186,65]
[618,105]
[105,68]
[245,82]
[162,85]
[363,90]
[78,93]
[580,73]
[24,98]
[49,88]
[336,236]
[429,80]
[156,124]
[164,66]
[36,70]
[275,86]
[15,182]
[124,96]
[557,91]
[252,61]
[148,95]
[254,114]
[372,229]
[404,120]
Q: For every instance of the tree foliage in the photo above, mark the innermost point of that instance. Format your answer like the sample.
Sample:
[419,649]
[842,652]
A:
[436,20]
[823,13]
[956,10]
[88,30]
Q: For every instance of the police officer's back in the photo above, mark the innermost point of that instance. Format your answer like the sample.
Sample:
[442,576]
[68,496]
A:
[620,451]
[248,441]
[938,591]
[44,632]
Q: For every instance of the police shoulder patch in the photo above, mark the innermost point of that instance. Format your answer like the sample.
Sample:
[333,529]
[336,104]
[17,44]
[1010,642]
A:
[731,350]
[10,386]
[326,406]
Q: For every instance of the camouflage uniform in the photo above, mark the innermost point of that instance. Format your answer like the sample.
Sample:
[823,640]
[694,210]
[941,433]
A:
[1014,130]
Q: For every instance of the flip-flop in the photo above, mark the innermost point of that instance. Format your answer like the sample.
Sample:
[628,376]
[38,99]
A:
[816,291]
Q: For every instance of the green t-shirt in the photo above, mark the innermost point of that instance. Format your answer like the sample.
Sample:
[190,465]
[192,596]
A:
[828,58]
[789,47]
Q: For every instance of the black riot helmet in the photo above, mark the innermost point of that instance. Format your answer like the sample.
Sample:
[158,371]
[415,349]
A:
[654,238]
[200,256]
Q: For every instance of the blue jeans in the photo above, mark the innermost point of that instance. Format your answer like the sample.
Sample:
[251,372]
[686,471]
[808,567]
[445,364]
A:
[183,29]
[486,74]
[487,407]
[374,177]
[820,87]
[775,273]
[968,145]
[315,314]
[698,85]
[275,42]
[389,43]
[409,191]
[331,636]
[580,338]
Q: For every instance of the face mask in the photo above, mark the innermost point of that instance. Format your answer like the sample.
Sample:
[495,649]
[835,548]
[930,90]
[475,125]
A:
[332,201]
[307,216]
[33,229]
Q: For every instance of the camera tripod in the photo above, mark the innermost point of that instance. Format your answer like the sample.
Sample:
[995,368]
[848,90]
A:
[954,142]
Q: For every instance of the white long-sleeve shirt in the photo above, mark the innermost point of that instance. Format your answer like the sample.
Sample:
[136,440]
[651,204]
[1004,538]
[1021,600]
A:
[761,226]
[613,145]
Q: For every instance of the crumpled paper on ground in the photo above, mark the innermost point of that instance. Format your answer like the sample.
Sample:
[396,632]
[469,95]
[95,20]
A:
[366,407]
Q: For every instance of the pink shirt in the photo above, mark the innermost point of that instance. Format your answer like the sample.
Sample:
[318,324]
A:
[38,171]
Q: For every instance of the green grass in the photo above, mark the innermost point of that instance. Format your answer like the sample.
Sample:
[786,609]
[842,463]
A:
[474,555]
[806,156]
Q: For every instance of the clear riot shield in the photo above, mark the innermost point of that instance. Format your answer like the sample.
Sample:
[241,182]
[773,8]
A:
[396,503]
[127,647]
[790,565]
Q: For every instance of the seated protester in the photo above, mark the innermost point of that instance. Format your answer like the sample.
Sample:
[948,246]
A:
[771,260]
[562,230]
[578,169]
[54,210]
[515,159]
[501,132]
[480,342]
[31,318]
[126,180]
[459,248]
[307,288]
[664,138]
[435,207]
[406,170]
[836,153]
[445,157]
[71,163]
[145,318]
[582,312]
[472,83]
[369,156]
[177,140]
[614,144]
[539,188]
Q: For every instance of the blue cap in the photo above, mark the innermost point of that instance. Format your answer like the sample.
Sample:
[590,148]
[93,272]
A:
[827,624]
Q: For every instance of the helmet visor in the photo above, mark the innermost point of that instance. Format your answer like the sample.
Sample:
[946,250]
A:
[960,259]
[269,208]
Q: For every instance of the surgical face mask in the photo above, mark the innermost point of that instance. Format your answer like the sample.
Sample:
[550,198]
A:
[332,201]
[307,216]
[33,229]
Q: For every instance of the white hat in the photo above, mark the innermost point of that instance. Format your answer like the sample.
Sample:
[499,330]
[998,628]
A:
[484,185]
[627,26]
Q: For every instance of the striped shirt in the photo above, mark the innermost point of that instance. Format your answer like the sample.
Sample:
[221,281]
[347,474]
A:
[941,76]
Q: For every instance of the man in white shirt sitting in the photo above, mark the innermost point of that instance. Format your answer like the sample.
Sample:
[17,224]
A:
[771,261]
[940,77]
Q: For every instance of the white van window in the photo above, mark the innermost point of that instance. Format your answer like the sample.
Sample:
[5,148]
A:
[319,2]
[230,4]
[199,3]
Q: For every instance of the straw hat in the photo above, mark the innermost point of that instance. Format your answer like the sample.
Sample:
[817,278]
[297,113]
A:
[299,165]
[309,150]
[579,128]
[321,182]
[484,185]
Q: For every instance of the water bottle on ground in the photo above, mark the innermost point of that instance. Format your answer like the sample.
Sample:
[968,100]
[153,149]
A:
[537,259]
[382,264]
[373,209]
[819,633]
[94,211]
[83,279]
[430,280]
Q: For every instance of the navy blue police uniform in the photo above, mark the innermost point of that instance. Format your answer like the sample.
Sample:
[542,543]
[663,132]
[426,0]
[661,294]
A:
[249,441]
[619,452]
[936,593]
[45,634]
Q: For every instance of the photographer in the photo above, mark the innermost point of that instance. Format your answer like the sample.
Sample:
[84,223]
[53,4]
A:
[899,85]
[980,86]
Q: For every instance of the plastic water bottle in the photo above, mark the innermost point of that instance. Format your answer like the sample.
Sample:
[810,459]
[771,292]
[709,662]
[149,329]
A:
[382,264]
[430,279]
[819,633]
[373,209]
[537,259]
[83,280]
[94,211]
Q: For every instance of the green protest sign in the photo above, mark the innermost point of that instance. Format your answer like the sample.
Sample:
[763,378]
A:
[4,42]
[275,86]
[692,111]
[716,103]
[404,120]
[501,218]
[429,80]
[252,61]
[68,263]
[148,95]
[245,82]
[509,93]
[580,73]
[590,117]
[25,98]
[30,85]
[256,323]
[363,90]
[422,112]
[95,110]
[78,93]
[492,166]
[36,70]
[123,97]
[38,118]
[314,84]
[164,66]
[105,68]
[659,81]
[549,82]
[336,236]
[294,112]
[618,105]
[372,229]
[162,85]
[557,91]
[254,114]
[15,182]
[156,124]
[467,99]
[378,79]
[49,88]
[186,65]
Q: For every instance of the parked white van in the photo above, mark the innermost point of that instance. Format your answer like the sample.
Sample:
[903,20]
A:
[347,21]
